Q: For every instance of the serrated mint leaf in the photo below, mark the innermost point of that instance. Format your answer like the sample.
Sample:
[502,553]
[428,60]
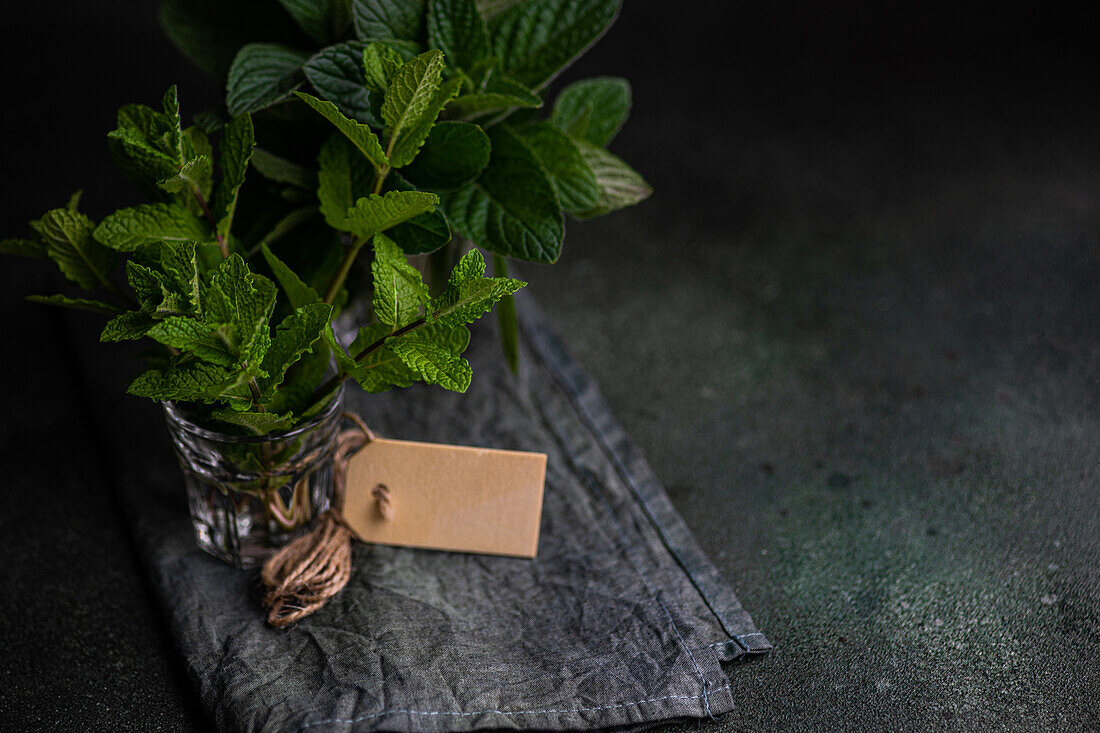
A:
[78,303]
[420,234]
[174,136]
[323,20]
[169,277]
[469,294]
[239,302]
[500,93]
[374,213]
[408,144]
[140,118]
[23,248]
[380,64]
[454,339]
[336,73]
[536,39]
[409,96]
[360,135]
[197,145]
[620,185]
[127,229]
[512,209]
[432,363]
[399,291]
[208,120]
[294,337]
[298,293]
[234,153]
[454,154]
[195,337]
[193,382]
[593,110]
[281,170]
[256,423]
[127,326]
[343,177]
[377,19]
[263,74]
[190,176]
[138,159]
[67,238]
[561,157]
[457,29]
[378,370]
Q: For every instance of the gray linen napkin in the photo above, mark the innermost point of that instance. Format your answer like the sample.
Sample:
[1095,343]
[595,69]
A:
[620,620]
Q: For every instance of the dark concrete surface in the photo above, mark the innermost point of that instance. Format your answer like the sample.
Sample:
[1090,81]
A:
[855,332]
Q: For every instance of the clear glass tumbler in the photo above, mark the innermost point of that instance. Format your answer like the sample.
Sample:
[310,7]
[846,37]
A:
[250,495]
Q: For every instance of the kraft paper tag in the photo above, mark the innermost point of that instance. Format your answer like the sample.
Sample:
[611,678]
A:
[447,497]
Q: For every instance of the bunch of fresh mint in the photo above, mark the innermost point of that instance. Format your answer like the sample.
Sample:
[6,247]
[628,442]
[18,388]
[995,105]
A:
[252,351]
[504,177]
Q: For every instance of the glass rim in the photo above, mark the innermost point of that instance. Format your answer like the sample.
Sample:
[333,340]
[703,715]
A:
[184,423]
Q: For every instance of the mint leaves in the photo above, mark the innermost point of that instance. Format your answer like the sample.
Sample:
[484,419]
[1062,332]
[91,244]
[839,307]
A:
[255,352]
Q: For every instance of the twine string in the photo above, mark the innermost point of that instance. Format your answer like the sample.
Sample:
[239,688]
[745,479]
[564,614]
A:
[302,576]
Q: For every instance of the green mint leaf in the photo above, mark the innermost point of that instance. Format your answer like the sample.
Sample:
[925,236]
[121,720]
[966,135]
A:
[322,20]
[239,303]
[593,110]
[409,97]
[78,303]
[294,337]
[195,337]
[620,185]
[127,327]
[512,209]
[360,135]
[262,75]
[408,145]
[197,145]
[432,363]
[190,176]
[194,381]
[454,154]
[148,123]
[399,290]
[379,370]
[337,74]
[24,248]
[74,200]
[380,64]
[561,157]
[457,29]
[67,237]
[298,293]
[281,170]
[420,234]
[343,177]
[127,229]
[500,93]
[377,19]
[138,159]
[535,40]
[235,151]
[374,213]
[454,339]
[174,278]
[256,423]
[469,294]
[174,138]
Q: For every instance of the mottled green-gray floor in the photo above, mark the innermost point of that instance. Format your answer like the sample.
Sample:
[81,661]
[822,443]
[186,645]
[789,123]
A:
[870,379]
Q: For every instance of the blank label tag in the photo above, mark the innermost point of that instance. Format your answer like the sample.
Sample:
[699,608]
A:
[447,497]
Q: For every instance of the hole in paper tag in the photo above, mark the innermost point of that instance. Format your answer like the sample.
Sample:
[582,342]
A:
[447,497]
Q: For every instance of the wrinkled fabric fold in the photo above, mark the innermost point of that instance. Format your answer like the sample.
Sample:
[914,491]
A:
[621,621]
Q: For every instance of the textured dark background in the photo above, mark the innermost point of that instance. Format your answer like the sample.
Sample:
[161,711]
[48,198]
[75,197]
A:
[855,331]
